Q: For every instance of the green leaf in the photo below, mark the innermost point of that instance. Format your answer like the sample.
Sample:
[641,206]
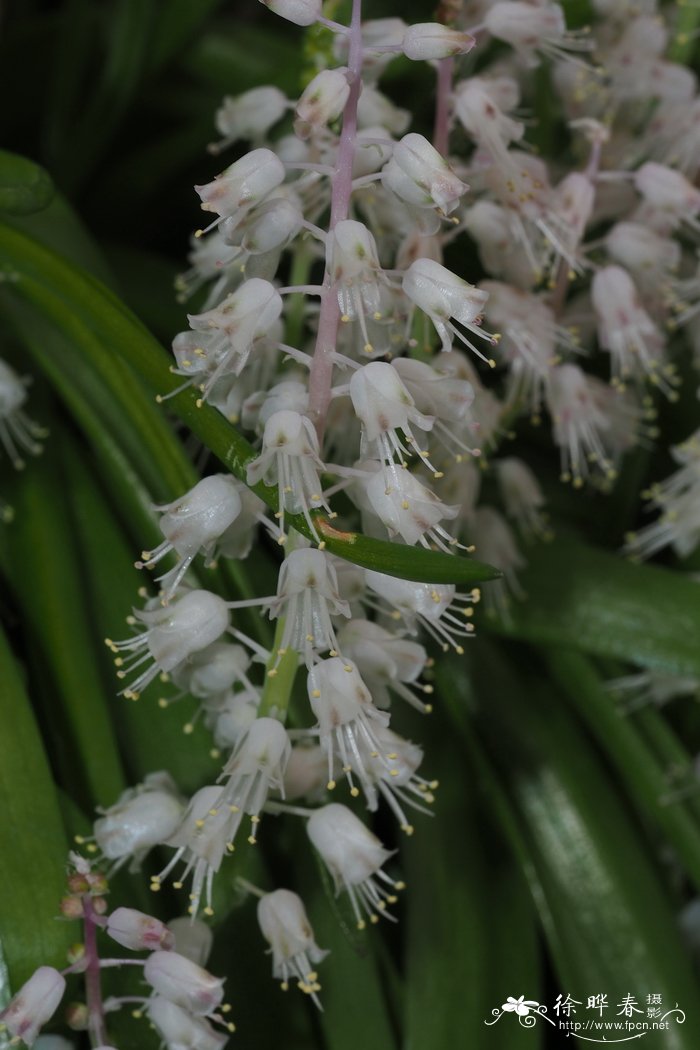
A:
[24,186]
[601,603]
[46,582]
[609,921]
[110,338]
[644,779]
[35,848]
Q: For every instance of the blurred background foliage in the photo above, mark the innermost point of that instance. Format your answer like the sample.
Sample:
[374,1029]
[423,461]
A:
[555,862]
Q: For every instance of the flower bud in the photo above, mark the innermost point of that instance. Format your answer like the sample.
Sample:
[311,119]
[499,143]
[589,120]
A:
[322,101]
[420,176]
[250,115]
[140,819]
[183,982]
[132,929]
[301,12]
[193,939]
[243,184]
[76,1015]
[179,1029]
[34,1004]
[426,41]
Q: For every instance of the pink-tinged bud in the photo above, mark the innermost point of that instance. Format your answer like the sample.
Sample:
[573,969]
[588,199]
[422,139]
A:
[76,1016]
[34,1005]
[71,908]
[250,115]
[193,938]
[180,1030]
[243,184]
[421,177]
[183,982]
[431,40]
[301,12]
[77,883]
[132,929]
[322,101]
[99,905]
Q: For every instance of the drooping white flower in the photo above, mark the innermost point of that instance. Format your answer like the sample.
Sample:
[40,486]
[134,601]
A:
[255,768]
[354,857]
[433,606]
[172,634]
[142,817]
[181,1029]
[670,199]
[410,509]
[580,425]
[496,544]
[391,773]
[285,926]
[678,500]
[383,405]
[388,662]
[34,1004]
[530,28]
[626,331]
[291,460]
[301,12]
[423,180]
[522,496]
[181,981]
[18,433]
[447,299]
[347,720]
[356,273]
[192,524]
[651,687]
[431,41]
[249,115]
[212,672]
[242,185]
[444,396]
[322,101]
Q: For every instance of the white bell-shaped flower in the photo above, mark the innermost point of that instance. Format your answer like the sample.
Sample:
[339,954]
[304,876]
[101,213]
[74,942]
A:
[34,1004]
[580,425]
[322,101]
[290,459]
[479,113]
[203,837]
[233,328]
[496,543]
[678,500]
[375,110]
[670,197]
[410,509]
[173,633]
[354,857]
[138,932]
[420,177]
[347,720]
[356,273]
[249,115]
[446,397]
[243,184]
[18,433]
[211,672]
[522,496]
[180,1029]
[625,330]
[431,41]
[387,662]
[384,406]
[255,768]
[142,817]
[301,12]
[192,524]
[649,256]
[432,605]
[447,299]
[391,774]
[286,928]
[232,716]
[530,28]
[183,982]
[308,598]
[495,230]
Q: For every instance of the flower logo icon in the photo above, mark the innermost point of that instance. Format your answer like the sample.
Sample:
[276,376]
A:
[521,1006]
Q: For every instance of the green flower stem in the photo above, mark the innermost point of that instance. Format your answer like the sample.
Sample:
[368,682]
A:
[279,679]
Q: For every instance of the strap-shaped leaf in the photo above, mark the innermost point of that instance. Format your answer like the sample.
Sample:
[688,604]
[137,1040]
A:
[24,186]
[35,848]
[104,329]
[602,603]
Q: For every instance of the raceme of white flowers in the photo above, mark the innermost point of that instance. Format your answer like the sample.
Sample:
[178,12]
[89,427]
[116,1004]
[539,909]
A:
[380,408]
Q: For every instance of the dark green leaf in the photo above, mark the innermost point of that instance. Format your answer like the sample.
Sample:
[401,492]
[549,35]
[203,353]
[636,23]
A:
[24,186]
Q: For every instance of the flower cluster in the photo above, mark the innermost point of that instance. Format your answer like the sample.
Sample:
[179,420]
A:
[377,389]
